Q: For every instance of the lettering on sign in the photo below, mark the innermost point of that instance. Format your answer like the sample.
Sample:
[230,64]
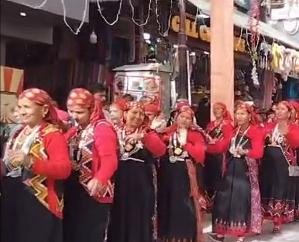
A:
[203,32]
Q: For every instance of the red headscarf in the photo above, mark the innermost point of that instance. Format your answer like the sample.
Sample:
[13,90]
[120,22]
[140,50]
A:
[291,107]
[186,109]
[226,114]
[121,103]
[84,99]
[41,97]
[153,107]
[249,109]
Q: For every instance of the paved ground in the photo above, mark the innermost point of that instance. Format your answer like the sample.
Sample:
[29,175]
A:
[290,233]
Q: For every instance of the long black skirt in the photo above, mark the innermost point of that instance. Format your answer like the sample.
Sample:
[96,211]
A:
[277,187]
[24,218]
[133,211]
[232,204]
[85,219]
[212,173]
[176,212]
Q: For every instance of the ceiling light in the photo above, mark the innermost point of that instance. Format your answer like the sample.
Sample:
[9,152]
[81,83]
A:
[23,14]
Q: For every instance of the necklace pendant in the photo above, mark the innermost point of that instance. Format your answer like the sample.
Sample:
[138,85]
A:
[125,155]
[172,159]
[178,151]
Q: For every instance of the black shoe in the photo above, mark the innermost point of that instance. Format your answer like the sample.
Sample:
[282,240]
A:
[215,238]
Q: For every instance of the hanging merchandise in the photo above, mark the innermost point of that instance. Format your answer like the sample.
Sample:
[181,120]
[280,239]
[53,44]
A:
[254,39]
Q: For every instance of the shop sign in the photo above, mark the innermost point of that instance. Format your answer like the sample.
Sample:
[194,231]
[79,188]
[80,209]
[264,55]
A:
[203,32]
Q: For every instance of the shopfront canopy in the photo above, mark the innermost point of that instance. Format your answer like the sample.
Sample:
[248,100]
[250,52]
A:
[241,20]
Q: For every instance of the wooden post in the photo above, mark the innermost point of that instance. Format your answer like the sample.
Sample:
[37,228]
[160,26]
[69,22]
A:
[222,53]
[182,83]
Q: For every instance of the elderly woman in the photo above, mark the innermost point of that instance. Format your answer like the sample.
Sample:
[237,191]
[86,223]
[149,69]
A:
[219,132]
[277,183]
[89,190]
[36,160]
[237,208]
[133,216]
[179,214]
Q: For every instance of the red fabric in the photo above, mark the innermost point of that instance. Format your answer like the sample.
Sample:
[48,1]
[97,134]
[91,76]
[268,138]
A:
[62,115]
[250,110]
[195,146]
[257,142]
[41,97]
[152,107]
[121,103]
[226,114]
[293,136]
[222,144]
[154,144]
[56,167]
[83,98]
[105,159]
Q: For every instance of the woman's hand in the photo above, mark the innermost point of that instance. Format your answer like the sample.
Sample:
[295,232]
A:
[17,158]
[93,186]
[134,138]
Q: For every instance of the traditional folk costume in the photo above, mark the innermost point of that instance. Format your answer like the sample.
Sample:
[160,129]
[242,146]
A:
[133,214]
[179,197]
[158,123]
[237,208]
[32,197]
[94,154]
[279,172]
[214,167]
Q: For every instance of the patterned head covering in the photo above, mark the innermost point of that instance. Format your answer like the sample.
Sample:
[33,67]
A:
[291,107]
[135,104]
[121,103]
[41,97]
[84,99]
[186,109]
[226,114]
[248,108]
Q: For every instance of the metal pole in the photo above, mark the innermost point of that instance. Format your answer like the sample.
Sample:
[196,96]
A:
[182,83]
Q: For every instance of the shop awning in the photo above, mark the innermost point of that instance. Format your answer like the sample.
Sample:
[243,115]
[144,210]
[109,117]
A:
[241,20]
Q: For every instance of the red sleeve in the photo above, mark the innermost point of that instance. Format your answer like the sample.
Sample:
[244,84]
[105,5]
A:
[106,150]
[154,144]
[221,145]
[293,136]
[257,143]
[196,146]
[58,165]
[70,133]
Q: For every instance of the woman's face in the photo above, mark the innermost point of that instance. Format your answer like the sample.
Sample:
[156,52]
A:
[79,114]
[184,120]
[218,111]
[150,115]
[115,113]
[31,113]
[282,112]
[242,117]
[134,117]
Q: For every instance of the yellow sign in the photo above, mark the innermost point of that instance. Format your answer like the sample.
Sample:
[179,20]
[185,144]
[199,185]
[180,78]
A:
[203,32]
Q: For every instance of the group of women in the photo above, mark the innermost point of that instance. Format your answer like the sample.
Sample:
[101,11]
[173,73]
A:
[132,179]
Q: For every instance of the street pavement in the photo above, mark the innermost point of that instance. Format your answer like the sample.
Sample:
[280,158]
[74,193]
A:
[289,233]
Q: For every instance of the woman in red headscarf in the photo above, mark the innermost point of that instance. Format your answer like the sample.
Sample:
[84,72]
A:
[89,191]
[237,208]
[218,137]
[133,216]
[36,161]
[277,176]
[179,205]
[156,119]
[116,111]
